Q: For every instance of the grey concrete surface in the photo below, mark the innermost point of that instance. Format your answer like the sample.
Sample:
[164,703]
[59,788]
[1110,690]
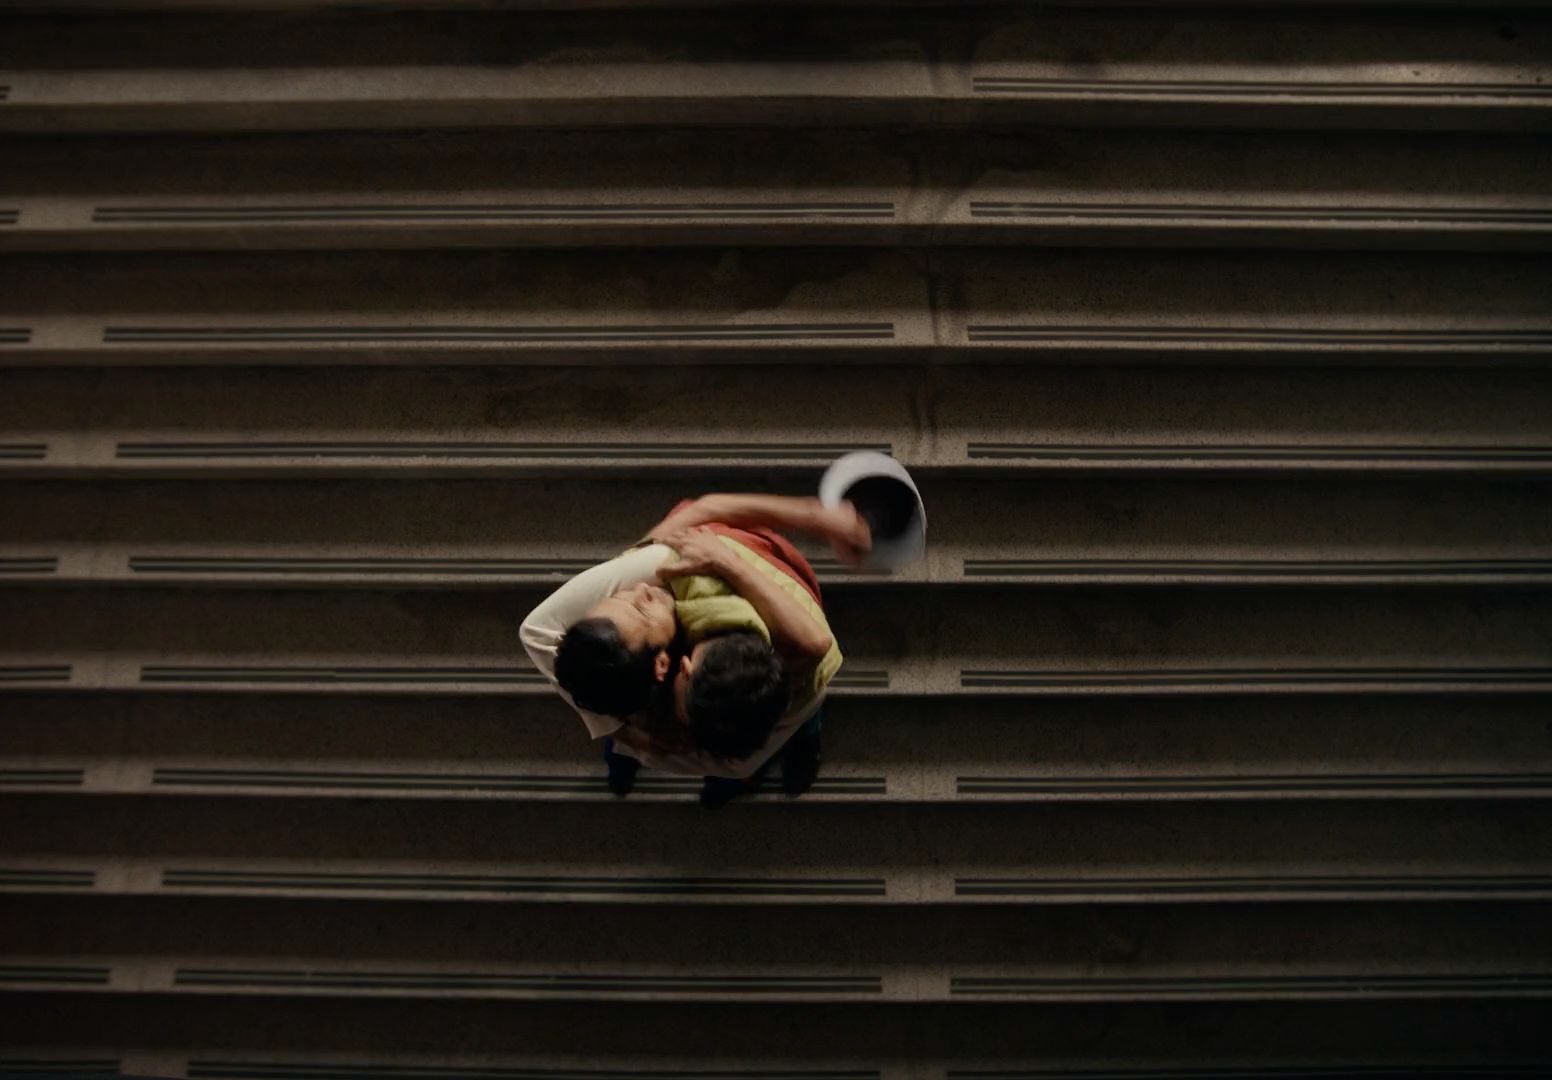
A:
[764,187]
[743,306]
[1211,737]
[1479,1040]
[1304,69]
[906,641]
[903,953]
[484,534]
[601,421]
[1225,748]
[1062,854]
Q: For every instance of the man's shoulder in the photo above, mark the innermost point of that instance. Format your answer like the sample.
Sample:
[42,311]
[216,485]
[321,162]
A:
[576,597]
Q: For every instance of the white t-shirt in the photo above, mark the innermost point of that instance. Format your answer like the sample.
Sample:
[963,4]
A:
[548,623]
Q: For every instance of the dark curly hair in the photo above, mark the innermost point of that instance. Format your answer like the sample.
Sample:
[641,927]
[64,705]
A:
[601,674]
[736,695]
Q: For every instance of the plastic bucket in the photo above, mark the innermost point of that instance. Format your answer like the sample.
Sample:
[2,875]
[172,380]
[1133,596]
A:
[886,497]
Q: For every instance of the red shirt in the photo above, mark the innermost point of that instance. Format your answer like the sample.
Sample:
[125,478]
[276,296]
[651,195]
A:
[771,546]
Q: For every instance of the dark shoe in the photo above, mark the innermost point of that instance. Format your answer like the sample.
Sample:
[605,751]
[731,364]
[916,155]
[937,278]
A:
[622,770]
[718,791]
[800,763]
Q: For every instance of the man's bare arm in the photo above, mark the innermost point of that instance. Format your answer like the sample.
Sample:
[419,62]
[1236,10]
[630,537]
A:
[841,525]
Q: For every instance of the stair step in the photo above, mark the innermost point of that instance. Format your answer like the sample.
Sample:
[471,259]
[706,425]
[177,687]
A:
[227,6]
[848,783]
[94,672]
[338,1039]
[463,69]
[236,1067]
[190,977]
[906,642]
[927,749]
[392,883]
[258,570]
[477,535]
[740,306]
[1166,852]
[614,425]
[792,462]
[870,1056]
[565,189]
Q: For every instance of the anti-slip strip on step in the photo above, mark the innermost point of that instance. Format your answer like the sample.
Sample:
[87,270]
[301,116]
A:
[505,451]
[83,879]
[1242,677]
[383,566]
[566,212]
[1250,88]
[1297,1072]
[1191,213]
[42,777]
[15,335]
[414,676]
[10,217]
[28,564]
[53,973]
[1356,985]
[1455,340]
[1258,568]
[332,1070]
[69,1067]
[1507,784]
[410,884]
[860,680]
[827,564]
[445,782]
[47,673]
[1187,452]
[22,451]
[5,93]
[239,564]
[1271,887]
[386,335]
[795,985]
[1285,1072]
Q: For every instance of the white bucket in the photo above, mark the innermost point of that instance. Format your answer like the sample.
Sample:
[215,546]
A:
[886,498]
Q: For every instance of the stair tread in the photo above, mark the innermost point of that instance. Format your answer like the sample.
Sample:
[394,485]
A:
[475,535]
[716,305]
[516,780]
[862,853]
[687,187]
[908,642]
[671,982]
[415,70]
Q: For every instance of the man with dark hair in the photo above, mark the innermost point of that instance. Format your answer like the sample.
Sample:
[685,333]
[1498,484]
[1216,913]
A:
[657,697]
[736,695]
[603,674]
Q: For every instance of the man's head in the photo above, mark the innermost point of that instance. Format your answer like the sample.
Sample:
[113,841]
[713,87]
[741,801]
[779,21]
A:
[615,659]
[627,658]
[730,691]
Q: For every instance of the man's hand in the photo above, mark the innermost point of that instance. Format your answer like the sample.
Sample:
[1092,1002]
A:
[849,535]
[700,552]
[795,634]
[844,529]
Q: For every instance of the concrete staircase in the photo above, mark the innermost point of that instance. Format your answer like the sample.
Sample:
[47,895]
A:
[1213,739]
